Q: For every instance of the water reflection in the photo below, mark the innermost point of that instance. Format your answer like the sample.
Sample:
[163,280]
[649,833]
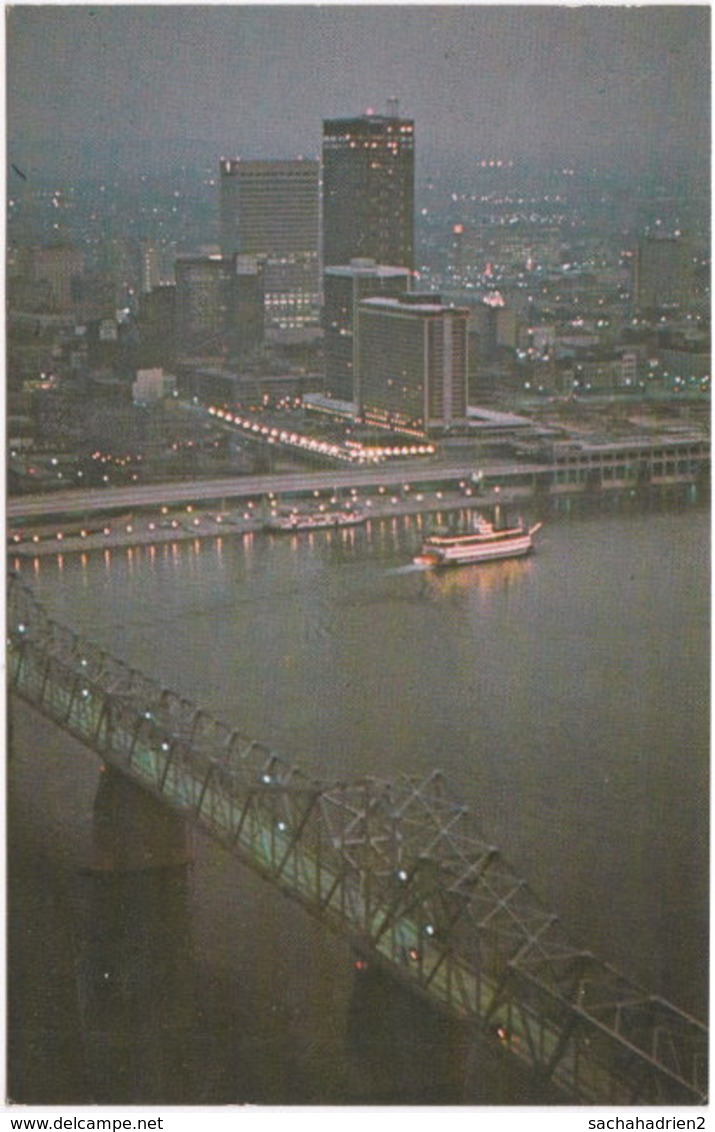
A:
[484,577]
[135,984]
[248,545]
[134,961]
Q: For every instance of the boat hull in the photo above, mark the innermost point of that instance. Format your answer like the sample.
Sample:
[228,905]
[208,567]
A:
[466,556]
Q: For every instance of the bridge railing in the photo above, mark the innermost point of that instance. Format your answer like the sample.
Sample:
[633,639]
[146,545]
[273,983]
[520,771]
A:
[399,867]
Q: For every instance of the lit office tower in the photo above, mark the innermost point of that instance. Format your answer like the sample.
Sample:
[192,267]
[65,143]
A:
[344,288]
[664,272]
[413,363]
[368,190]
[271,210]
[150,266]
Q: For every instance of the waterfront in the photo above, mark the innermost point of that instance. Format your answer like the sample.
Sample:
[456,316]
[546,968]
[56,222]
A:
[566,695]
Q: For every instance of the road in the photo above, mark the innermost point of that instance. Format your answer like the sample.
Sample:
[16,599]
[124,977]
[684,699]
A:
[107,500]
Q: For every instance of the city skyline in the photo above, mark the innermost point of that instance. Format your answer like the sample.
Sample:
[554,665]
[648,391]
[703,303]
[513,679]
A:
[626,88]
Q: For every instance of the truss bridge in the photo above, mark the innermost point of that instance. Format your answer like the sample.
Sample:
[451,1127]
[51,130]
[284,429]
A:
[399,868]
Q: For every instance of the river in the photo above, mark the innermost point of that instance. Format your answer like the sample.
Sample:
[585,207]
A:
[565,696]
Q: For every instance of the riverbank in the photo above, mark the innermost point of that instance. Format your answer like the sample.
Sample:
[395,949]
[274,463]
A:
[196,525]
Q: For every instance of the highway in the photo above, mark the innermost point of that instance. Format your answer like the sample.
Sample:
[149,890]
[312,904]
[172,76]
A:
[135,498]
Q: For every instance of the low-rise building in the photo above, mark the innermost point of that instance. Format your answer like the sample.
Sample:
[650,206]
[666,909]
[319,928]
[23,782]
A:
[152,385]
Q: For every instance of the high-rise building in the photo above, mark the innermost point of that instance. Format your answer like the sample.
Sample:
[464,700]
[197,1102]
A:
[344,287]
[368,190]
[271,210]
[664,274]
[245,310]
[60,268]
[201,300]
[219,306]
[157,326]
[150,266]
[413,363]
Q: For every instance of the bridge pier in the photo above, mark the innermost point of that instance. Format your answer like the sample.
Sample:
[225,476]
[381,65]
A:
[132,830]
[400,1049]
[411,1053]
[134,962]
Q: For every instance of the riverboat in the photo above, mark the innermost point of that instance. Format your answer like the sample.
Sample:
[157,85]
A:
[314,521]
[483,543]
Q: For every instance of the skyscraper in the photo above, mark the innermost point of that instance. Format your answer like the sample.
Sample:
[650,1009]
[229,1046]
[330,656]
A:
[368,190]
[201,294]
[157,326]
[271,210]
[60,268]
[344,288]
[219,306]
[413,363]
[245,308]
[150,266]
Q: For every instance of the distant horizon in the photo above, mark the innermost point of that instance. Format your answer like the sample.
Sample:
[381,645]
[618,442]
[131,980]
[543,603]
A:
[128,86]
[116,163]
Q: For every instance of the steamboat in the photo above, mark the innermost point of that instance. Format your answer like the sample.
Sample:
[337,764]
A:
[483,543]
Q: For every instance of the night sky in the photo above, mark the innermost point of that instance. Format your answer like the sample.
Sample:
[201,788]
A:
[128,84]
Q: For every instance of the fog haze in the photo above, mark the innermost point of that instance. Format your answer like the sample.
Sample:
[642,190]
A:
[98,89]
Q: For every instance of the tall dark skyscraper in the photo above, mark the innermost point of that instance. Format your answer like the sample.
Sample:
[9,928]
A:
[368,190]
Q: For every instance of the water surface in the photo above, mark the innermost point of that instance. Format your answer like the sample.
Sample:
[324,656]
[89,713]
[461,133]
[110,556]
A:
[565,696]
